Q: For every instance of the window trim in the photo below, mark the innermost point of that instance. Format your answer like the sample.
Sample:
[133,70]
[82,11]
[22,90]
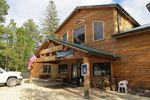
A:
[93,30]
[64,34]
[111,69]
[47,70]
[59,68]
[84,33]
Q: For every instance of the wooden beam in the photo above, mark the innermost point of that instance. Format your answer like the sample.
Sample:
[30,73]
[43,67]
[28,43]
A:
[44,59]
[52,49]
[87,78]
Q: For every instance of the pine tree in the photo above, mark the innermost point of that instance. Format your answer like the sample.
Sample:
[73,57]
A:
[50,22]
[3,10]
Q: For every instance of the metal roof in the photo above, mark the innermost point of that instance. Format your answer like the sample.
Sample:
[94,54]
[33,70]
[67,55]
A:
[86,49]
[132,31]
[99,6]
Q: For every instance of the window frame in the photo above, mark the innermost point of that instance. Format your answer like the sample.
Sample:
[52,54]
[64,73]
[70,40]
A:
[94,31]
[66,37]
[84,33]
[47,72]
[60,72]
[111,74]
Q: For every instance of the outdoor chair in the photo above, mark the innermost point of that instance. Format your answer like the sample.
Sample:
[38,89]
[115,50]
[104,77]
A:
[123,84]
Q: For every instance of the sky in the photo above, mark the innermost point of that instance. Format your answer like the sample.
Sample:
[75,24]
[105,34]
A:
[22,10]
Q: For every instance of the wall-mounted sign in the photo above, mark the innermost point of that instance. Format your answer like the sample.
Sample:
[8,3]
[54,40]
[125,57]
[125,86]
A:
[83,69]
[62,54]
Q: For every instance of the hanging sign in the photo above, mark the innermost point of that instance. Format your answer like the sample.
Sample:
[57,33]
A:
[62,54]
[84,69]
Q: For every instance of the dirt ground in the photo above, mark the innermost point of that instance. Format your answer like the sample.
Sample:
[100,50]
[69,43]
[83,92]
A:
[48,90]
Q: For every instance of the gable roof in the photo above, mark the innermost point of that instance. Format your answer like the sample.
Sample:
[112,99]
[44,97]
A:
[133,31]
[82,48]
[86,49]
[98,6]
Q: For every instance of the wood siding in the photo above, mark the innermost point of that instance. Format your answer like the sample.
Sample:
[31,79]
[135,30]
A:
[87,17]
[121,22]
[134,50]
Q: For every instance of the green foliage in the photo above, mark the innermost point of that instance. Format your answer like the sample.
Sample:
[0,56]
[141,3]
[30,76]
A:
[3,10]
[17,43]
[50,22]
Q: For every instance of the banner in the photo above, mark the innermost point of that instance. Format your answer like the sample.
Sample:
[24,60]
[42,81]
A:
[62,54]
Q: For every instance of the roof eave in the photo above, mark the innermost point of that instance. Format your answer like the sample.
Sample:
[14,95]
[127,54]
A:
[88,52]
[127,33]
[97,6]
[127,14]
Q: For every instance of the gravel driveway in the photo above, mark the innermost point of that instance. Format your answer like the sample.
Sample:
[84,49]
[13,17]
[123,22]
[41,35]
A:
[45,90]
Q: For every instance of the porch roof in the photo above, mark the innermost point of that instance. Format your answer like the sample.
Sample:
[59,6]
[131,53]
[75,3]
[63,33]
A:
[86,49]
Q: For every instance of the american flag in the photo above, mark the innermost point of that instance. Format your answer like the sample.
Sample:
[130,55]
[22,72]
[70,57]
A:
[31,60]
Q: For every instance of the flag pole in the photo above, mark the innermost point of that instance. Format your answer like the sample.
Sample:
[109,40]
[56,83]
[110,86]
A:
[30,66]
[30,76]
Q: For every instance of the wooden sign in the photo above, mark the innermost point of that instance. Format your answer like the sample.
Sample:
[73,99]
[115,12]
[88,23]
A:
[52,49]
[62,54]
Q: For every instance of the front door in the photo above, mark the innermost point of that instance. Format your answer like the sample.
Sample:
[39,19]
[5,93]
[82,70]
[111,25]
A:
[76,74]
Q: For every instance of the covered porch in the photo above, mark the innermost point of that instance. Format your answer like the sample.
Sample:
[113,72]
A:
[65,59]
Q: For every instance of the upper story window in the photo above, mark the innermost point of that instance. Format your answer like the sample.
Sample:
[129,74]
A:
[64,37]
[79,35]
[98,30]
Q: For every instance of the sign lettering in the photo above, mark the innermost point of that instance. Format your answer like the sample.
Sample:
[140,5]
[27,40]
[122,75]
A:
[62,54]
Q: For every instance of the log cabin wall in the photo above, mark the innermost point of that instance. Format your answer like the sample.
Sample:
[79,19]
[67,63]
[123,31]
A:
[134,50]
[37,69]
[86,17]
[134,64]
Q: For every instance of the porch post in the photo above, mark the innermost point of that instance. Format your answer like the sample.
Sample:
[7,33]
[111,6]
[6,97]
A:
[54,71]
[87,78]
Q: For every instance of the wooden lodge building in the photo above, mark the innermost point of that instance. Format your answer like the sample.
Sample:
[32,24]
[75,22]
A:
[105,38]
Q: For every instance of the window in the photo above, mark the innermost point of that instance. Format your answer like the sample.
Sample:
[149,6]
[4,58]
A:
[79,35]
[102,69]
[63,68]
[46,68]
[98,30]
[65,37]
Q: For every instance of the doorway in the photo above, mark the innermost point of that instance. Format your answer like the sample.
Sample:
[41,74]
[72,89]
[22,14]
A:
[76,78]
